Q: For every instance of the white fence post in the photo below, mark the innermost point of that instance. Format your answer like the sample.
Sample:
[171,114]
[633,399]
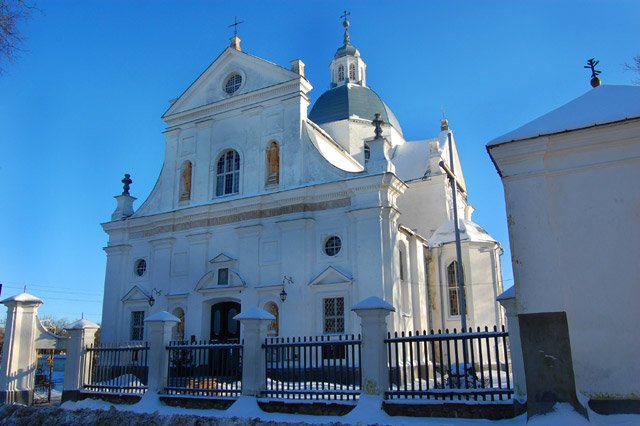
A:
[508,302]
[254,322]
[19,351]
[373,312]
[76,367]
[159,327]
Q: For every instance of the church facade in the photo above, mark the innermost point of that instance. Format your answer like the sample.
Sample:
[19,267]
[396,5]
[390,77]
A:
[262,203]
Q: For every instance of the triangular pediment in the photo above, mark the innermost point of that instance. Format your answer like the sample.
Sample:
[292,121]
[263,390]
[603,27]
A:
[135,294]
[208,88]
[222,258]
[331,276]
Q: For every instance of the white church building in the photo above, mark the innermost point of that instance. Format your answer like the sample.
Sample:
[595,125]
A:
[263,202]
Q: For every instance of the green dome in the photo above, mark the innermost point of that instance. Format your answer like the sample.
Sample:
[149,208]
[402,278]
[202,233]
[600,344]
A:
[347,100]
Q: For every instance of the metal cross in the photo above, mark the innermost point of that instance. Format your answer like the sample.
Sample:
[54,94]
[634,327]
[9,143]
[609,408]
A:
[344,15]
[235,25]
[378,122]
[591,64]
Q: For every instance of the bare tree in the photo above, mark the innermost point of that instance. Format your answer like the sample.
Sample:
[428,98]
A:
[635,67]
[12,13]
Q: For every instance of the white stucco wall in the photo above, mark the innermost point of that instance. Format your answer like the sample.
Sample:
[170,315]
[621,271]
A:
[573,205]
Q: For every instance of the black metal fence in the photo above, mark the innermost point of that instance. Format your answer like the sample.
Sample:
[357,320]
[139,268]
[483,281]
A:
[320,367]
[116,368]
[204,369]
[450,366]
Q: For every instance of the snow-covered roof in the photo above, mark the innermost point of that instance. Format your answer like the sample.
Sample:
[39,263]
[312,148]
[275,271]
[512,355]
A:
[411,159]
[162,316]
[372,302]
[330,150]
[469,231]
[602,105]
[24,298]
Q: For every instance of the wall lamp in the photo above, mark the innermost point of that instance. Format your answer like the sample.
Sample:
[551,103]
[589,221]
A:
[283,293]
[152,300]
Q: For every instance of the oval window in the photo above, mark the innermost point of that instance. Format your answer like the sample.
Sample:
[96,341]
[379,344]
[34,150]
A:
[332,246]
[233,83]
[140,267]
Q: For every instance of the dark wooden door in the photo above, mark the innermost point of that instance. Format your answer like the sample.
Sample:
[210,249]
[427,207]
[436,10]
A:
[224,329]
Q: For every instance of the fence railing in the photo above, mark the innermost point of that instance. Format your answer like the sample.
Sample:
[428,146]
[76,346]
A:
[320,367]
[432,365]
[204,369]
[117,368]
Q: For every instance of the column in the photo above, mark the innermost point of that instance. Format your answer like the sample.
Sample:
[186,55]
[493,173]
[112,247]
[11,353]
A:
[254,322]
[373,312]
[159,326]
[19,352]
[82,333]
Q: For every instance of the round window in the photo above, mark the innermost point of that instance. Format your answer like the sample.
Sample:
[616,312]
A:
[332,246]
[140,267]
[233,83]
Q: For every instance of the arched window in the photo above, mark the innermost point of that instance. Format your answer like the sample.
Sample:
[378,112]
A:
[452,284]
[185,181]
[352,72]
[273,163]
[367,153]
[273,327]
[178,329]
[228,173]
[341,73]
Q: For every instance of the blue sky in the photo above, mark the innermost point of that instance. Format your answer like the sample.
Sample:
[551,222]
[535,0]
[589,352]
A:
[82,104]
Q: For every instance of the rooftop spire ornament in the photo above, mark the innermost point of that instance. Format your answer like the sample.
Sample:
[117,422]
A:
[235,25]
[127,183]
[378,122]
[346,25]
[595,80]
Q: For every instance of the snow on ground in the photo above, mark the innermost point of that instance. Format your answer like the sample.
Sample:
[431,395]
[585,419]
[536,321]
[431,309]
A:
[367,411]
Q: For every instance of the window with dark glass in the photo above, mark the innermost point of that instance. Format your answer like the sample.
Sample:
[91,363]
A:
[332,246]
[137,325]
[223,276]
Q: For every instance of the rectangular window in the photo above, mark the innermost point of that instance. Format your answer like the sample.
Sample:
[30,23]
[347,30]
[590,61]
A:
[223,276]
[333,315]
[137,325]
[401,258]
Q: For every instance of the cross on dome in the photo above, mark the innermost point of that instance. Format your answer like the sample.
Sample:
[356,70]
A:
[346,24]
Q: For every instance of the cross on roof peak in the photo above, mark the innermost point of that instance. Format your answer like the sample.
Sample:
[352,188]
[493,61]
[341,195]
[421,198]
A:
[235,25]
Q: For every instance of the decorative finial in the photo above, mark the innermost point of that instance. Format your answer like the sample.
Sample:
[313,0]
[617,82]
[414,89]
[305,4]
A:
[378,122]
[595,80]
[127,183]
[235,25]
[346,24]
[444,124]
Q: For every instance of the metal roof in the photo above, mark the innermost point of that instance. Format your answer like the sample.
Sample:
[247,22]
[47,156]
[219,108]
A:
[348,100]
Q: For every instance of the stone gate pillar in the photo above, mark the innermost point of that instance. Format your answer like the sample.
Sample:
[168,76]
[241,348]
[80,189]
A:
[254,322]
[159,326]
[19,351]
[81,334]
[373,312]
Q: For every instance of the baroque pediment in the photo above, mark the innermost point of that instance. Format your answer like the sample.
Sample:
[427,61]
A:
[331,276]
[209,87]
[136,294]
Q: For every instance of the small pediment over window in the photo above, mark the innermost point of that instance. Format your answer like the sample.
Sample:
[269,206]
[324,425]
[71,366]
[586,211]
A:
[222,258]
[331,276]
[136,294]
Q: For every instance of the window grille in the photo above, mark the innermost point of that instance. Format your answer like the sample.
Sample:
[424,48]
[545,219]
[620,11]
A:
[332,246]
[233,84]
[352,72]
[341,73]
[334,315]
[140,267]
[137,325]
[452,283]
[228,173]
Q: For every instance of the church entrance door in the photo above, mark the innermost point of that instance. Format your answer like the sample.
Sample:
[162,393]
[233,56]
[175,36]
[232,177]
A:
[224,361]
[224,329]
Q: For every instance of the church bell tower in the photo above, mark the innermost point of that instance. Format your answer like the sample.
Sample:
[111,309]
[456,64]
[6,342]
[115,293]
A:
[347,66]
